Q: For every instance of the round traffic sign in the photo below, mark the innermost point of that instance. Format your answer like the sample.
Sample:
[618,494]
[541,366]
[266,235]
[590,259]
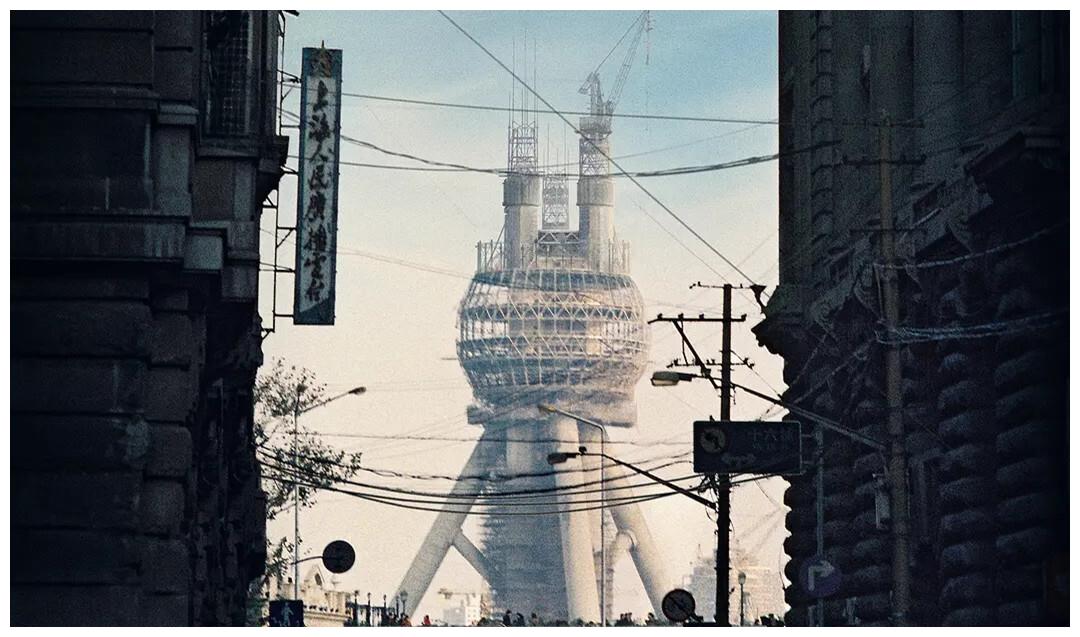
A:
[678,605]
[338,556]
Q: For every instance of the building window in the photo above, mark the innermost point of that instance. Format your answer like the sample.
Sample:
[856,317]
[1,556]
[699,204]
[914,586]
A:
[104,163]
[228,77]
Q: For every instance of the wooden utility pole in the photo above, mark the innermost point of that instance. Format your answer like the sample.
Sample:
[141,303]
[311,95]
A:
[723,481]
[897,468]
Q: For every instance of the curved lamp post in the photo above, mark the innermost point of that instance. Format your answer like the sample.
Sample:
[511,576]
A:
[300,389]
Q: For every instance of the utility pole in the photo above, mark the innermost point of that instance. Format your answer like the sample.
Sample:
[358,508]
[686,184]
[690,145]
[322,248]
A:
[893,388]
[723,481]
[896,469]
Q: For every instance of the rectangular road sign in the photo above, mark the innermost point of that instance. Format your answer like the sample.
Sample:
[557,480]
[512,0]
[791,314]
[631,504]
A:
[286,612]
[747,447]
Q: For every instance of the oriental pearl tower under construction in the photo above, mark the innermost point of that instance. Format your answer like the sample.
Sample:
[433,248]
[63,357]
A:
[550,317]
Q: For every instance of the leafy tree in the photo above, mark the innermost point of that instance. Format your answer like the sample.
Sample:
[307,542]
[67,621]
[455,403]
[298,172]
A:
[282,394]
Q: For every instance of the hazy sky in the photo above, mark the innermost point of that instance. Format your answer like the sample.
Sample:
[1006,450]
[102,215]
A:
[395,328]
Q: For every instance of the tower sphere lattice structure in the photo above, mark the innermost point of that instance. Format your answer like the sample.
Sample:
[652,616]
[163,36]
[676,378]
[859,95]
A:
[577,336]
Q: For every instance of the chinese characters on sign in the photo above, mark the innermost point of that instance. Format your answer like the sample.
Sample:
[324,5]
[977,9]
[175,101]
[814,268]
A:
[317,195]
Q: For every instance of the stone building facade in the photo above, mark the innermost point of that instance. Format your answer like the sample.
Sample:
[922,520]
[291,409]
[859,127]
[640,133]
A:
[978,162]
[144,144]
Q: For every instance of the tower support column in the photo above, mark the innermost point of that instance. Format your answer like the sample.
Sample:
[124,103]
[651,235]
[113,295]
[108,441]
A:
[443,532]
[647,560]
[582,601]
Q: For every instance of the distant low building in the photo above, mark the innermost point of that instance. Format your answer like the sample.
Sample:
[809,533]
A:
[701,583]
[466,610]
[763,588]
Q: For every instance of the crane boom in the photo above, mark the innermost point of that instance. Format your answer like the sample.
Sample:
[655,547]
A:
[628,61]
[598,106]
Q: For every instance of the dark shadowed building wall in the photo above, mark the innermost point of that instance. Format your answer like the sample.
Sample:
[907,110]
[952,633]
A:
[143,146]
[978,161]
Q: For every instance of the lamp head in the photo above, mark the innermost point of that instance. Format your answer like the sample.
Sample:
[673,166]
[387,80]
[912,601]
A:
[665,378]
[545,409]
[356,391]
[559,457]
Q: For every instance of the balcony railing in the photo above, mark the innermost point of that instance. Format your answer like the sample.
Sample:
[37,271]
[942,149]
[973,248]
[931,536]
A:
[491,256]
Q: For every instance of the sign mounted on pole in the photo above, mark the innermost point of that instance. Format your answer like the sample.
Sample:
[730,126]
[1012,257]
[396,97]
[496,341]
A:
[338,556]
[286,613]
[678,606]
[727,446]
[317,193]
[819,577]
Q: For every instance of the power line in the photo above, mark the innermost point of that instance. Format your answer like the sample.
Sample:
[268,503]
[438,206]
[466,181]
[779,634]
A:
[514,498]
[551,110]
[909,334]
[672,459]
[447,197]
[559,166]
[974,255]
[677,239]
[438,166]
[518,398]
[346,251]
[444,166]
[646,443]
[417,505]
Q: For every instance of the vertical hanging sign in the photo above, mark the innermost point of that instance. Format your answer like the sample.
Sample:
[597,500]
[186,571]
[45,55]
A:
[317,194]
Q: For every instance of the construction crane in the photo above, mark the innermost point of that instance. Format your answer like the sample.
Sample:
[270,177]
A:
[598,106]
[596,127]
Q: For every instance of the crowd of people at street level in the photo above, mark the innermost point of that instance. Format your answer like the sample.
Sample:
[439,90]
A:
[510,618]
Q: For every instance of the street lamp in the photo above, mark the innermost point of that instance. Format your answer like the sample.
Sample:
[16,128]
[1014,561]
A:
[355,391]
[742,599]
[300,389]
[548,409]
